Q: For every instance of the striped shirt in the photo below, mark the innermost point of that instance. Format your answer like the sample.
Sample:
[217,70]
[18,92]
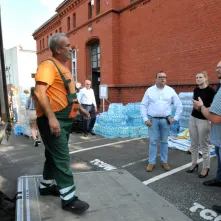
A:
[215,134]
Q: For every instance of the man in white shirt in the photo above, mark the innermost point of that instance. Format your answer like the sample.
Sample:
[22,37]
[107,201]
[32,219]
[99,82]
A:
[87,100]
[155,110]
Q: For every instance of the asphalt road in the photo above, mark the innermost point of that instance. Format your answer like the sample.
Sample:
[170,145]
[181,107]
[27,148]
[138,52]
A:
[94,153]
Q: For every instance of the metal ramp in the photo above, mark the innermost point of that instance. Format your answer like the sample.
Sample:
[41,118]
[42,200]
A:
[113,196]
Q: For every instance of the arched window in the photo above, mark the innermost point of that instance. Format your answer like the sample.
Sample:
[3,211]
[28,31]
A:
[95,56]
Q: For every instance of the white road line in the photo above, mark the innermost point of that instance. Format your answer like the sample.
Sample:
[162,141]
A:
[88,141]
[161,176]
[130,164]
[105,145]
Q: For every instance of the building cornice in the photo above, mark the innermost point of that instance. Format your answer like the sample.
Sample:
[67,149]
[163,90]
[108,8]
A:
[68,5]
[90,21]
[44,24]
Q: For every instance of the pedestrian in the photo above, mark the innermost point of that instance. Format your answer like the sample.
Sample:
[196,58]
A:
[87,100]
[55,92]
[213,114]
[199,126]
[15,105]
[78,87]
[31,112]
[156,108]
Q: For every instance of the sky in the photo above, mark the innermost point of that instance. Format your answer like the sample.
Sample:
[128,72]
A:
[20,18]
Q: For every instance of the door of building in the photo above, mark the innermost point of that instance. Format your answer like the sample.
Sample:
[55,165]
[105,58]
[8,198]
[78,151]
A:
[95,61]
[95,86]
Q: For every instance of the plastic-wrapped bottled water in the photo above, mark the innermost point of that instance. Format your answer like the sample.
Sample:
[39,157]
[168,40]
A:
[143,131]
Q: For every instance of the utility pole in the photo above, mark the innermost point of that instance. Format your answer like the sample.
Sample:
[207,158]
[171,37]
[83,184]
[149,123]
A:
[4,108]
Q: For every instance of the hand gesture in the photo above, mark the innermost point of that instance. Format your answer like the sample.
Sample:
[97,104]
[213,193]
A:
[197,104]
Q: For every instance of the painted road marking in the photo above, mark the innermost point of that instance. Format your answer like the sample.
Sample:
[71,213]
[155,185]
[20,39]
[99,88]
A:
[161,176]
[131,164]
[206,214]
[88,141]
[103,165]
[104,145]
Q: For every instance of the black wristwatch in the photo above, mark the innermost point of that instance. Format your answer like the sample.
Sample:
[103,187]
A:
[199,108]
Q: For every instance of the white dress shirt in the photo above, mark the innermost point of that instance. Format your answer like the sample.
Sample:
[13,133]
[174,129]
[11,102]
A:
[158,102]
[86,96]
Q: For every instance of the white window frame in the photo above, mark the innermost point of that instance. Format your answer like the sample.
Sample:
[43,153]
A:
[74,60]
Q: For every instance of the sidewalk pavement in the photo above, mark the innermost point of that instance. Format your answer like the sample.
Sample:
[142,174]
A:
[18,157]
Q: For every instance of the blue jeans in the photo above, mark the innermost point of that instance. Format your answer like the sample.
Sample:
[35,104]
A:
[158,130]
[89,124]
[218,153]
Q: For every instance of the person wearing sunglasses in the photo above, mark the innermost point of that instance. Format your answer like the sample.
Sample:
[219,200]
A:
[156,108]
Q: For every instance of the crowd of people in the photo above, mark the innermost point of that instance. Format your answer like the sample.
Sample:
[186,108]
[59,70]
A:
[204,123]
[56,100]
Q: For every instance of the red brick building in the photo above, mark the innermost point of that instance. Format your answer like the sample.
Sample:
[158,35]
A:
[123,43]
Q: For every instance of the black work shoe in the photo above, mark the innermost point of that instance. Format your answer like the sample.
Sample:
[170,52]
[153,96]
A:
[51,190]
[36,143]
[213,182]
[217,208]
[75,206]
[92,133]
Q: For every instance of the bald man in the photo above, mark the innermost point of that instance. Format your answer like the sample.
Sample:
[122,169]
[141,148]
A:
[87,100]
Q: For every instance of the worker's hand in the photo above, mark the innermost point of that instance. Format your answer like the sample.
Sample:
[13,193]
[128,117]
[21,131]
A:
[54,126]
[148,123]
[84,113]
[95,109]
[171,120]
[197,104]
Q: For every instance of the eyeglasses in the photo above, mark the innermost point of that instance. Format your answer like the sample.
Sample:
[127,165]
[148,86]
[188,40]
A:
[218,68]
[162,77]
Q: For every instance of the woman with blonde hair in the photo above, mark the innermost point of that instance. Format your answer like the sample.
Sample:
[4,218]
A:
[31,108]
[199,125]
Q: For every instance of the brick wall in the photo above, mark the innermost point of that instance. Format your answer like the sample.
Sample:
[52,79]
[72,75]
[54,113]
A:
[181,37]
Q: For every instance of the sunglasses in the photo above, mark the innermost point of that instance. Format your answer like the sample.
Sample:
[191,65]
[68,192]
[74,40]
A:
[162,77]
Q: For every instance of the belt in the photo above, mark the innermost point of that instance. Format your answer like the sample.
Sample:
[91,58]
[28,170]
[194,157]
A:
[87,104]
[160,117]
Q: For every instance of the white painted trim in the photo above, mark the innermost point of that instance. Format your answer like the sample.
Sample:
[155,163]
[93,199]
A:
[36,191]
[19,201]
[133,163]
[105,145]
[161,176]
[27,197]
[22,200]
[88,141]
